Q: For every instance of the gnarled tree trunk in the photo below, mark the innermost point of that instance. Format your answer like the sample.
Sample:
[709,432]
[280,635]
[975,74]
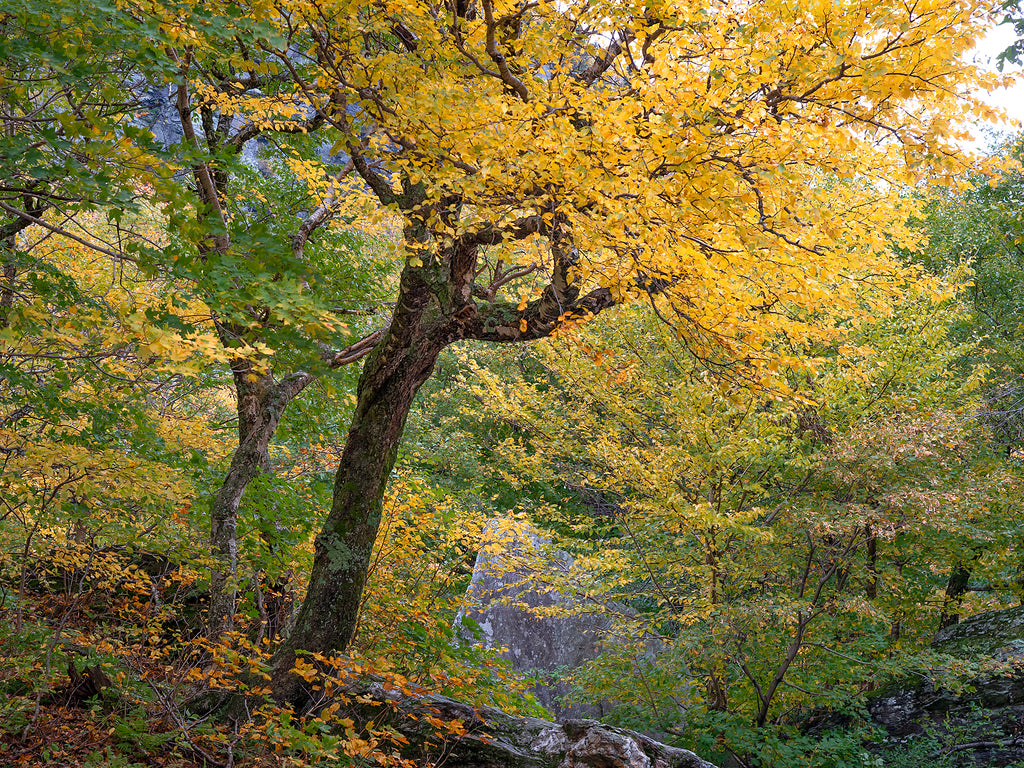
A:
[391,377]
[437,305]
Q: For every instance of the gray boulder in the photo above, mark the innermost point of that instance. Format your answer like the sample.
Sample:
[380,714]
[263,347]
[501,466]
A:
[995,633]
[516,599]
[495,739]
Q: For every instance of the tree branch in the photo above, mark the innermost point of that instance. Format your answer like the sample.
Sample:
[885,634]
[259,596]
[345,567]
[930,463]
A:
[321,215]
[514,83]
[505,322]
[201,170]
[60,231]
[358,350]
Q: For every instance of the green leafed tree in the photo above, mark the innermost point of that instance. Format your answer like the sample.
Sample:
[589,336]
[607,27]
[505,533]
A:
[982,229]
[785,552]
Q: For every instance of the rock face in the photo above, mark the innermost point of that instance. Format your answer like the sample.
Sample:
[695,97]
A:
[157,112]
[495,739]
[517,608]
[984,723]
[996,633]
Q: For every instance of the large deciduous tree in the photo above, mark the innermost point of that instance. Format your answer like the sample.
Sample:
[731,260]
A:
[732,164]
[735,165]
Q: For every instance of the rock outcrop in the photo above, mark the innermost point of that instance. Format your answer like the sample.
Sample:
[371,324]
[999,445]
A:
[995,633]
[495,739]
[541,629]
[984,721]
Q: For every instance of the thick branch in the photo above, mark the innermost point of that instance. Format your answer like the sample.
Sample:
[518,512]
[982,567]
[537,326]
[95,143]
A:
[504,322]
[502,277]
[560,293]
[599,66]
[514,83]
[358,350]
[519,229]
[22,220]
[381,187]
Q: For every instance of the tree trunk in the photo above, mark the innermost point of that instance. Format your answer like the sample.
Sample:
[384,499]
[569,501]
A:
[956,588]
[871,585]
[261,403]
[327,619]
[7,284]
[435,308]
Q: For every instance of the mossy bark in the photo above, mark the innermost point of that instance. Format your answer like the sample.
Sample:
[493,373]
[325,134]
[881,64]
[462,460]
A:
[327,619]
[436,307]
[956,589]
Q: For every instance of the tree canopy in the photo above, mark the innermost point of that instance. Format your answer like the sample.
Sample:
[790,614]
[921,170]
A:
[269,221]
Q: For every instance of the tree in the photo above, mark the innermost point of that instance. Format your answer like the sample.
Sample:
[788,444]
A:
[254,251]
[253,268]
[785,551]
[733,167]
[981,228]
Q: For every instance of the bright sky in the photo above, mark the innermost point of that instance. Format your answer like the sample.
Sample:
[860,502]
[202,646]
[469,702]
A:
[1010,99]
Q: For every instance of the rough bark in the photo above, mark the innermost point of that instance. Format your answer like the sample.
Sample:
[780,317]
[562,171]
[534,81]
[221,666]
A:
[327,619]
[436,306]
[7,284]
[956,589]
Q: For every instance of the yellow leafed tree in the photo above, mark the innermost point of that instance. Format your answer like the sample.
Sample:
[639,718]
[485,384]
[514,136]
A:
[741,166]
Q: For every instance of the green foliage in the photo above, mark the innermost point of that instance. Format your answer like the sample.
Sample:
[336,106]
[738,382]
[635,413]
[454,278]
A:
[780,551]
[942,742]
[781,534]
[724,736]
[982,228]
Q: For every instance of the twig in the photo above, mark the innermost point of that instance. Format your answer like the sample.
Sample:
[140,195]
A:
[173,713]
[60,231]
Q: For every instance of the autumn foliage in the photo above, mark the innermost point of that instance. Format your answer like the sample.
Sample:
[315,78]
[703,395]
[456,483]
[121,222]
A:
[270,271]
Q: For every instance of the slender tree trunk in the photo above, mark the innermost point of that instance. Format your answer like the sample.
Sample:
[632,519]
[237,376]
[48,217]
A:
[716,690]
[327,619]
[10,272]
[249,461]
[261,403]
[871,585]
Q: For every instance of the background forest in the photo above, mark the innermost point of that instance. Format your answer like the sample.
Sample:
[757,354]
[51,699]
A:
[303,301]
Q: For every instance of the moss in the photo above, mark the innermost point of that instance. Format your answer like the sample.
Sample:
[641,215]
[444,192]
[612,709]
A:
[984,634]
